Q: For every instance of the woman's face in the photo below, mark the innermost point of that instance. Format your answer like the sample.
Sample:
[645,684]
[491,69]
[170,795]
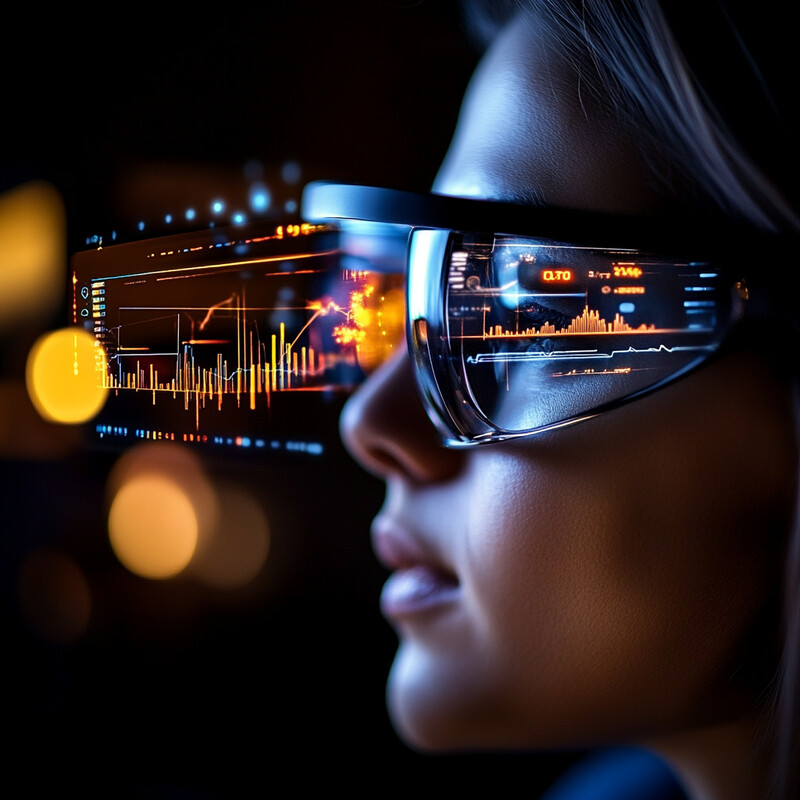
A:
[594,583]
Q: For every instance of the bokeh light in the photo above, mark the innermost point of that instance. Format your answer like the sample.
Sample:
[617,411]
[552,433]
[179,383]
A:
[62,376]
[167,517]
[234,552]
[160,505]
[32,252]
[55,598]
[153,526]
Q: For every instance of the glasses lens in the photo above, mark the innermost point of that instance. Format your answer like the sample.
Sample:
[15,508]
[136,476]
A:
[523,334]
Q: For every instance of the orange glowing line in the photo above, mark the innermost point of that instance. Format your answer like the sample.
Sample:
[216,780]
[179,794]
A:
[265,260]
[213,308]
[294,272]
[320,312]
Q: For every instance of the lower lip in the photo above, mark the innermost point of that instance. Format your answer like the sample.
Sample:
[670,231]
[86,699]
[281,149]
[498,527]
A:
[416,590]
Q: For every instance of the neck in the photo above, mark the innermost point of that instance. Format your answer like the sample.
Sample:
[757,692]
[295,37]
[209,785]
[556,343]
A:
[723,762]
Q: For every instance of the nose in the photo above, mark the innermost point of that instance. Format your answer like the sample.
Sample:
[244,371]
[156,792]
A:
[385,428]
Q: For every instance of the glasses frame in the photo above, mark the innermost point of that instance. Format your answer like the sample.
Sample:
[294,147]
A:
[763,291]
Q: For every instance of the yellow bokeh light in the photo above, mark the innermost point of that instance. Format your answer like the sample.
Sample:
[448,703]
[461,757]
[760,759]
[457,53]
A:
[62,376]
[153,526]
[32,252]
[161,505]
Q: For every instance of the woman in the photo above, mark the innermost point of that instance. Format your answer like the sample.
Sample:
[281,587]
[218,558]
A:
[619,580]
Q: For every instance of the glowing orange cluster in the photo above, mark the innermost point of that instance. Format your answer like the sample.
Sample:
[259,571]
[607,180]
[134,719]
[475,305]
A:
[359,318]
[375,318]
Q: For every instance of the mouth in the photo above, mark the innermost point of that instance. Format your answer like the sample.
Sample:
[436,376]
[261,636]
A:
[419,583]
[416,590]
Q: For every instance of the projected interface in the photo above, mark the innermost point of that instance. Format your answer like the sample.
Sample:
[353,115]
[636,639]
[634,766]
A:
[246,339]
[539,332]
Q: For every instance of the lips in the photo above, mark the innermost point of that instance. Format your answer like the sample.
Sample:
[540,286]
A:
[419,583]
[416,590]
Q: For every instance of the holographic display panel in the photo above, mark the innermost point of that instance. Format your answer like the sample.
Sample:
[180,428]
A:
[540,332]
[243,340]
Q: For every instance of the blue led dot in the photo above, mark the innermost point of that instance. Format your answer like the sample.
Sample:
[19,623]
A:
[218,206]
[238,218]
[141,226]
[627,308]
[259,198]
[189,213]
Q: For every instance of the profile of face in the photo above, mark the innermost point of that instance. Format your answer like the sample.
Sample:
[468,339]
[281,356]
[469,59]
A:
[595,583]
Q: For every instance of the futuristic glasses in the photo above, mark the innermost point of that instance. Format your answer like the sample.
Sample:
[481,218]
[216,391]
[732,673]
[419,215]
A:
[523,319]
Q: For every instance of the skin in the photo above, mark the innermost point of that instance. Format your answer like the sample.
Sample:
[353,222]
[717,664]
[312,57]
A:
[607,577]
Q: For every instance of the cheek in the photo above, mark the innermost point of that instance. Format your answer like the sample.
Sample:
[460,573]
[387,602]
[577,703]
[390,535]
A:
[563,629]
[611,587]
[611,573]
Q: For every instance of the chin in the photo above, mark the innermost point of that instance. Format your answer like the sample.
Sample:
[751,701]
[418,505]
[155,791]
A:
[438,707]
[445,703]
[425,711]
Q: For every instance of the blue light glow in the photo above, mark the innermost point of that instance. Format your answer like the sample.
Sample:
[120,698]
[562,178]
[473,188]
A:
[218,206]
[190,213]
[260,198]
[239,218]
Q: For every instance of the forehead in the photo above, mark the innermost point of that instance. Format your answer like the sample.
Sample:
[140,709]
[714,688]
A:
[530,131]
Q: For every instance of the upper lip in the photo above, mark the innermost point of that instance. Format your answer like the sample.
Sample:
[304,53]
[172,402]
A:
[398,547]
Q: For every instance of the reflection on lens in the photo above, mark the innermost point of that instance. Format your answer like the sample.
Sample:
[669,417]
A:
[534,333]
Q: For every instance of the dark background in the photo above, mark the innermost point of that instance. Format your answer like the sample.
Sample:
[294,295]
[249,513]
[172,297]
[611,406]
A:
[176,690]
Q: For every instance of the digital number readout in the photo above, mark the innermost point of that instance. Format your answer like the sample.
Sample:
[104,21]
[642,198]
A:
[627,271]
[557,275]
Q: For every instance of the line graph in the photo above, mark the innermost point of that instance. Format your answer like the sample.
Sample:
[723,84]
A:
[207,345]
